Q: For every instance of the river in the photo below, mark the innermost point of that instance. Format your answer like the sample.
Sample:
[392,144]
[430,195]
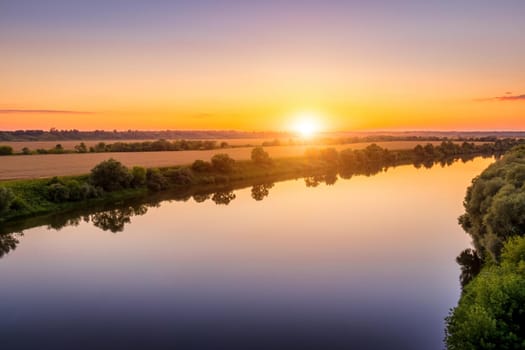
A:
[362,263]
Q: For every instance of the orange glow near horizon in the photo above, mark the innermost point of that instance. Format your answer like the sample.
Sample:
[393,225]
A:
[250,68]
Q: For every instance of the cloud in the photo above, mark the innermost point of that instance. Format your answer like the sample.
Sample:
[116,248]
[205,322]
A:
[508,97]
[42,111]
[511,98]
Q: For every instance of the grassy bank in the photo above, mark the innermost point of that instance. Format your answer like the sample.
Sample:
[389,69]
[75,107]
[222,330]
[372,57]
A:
[111,182]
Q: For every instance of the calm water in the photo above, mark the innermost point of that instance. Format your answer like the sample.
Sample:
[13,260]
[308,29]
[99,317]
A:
[367,263]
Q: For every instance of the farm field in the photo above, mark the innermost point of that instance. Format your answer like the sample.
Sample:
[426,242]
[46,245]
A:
[70,144]
[48,165]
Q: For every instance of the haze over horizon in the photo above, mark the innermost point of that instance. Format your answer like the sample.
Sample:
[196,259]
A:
[245,65]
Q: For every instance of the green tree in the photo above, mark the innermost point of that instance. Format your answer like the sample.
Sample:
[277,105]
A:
[155,180]
[260,156]
[223,163]
[6,199]
[491,311]
[201,166]
[81,148]
[495,203]
[138,175]
[6,150]
[110,175]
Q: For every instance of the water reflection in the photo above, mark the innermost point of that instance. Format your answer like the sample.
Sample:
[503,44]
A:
[8,243]
[223,197]
[261,191]
[282,266]
[115,217]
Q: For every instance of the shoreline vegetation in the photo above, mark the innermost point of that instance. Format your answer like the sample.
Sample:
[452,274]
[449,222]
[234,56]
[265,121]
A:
[491,310]
[111,182]
[166,145]
[57,203]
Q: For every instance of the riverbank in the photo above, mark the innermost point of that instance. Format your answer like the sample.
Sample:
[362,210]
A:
[111,181]
[48,165]
[490,313]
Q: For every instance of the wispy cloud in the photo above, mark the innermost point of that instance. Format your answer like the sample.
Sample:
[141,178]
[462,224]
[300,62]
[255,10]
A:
[507,97]
[42,111]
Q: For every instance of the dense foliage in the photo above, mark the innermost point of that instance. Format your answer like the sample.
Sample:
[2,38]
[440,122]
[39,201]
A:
[495,203]
[491,311]
[260,156]
[222,163]
[111,175]
[6,150]
[110,180]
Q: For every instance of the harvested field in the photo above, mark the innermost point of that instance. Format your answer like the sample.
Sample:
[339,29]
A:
[48,165]
[70,145]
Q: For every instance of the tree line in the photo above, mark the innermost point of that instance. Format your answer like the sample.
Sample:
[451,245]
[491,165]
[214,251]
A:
[491,313]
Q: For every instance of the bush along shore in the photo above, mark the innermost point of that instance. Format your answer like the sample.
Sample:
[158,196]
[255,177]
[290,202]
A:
[491,311]
[110,181]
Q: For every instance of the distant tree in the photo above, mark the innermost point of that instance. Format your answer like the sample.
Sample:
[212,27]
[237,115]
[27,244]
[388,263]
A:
[111,175]
[26,151]
[58,149]
[81,148]
[6,150]
[222,163]
[260,156]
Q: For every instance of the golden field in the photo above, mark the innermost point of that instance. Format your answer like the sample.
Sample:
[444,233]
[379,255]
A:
[48,165]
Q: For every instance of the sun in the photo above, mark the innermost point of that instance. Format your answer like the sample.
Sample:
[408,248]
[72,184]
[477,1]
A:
[306,124]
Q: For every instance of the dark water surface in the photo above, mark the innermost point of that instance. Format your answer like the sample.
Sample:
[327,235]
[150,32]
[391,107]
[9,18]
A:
[366,263]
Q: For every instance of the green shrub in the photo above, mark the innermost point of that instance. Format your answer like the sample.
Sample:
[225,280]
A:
[180,176]
[491,311]
[260,156]
[138,176]
[6,199]
[58,192]
[111,175]
[6,150]
[201,166]
[223,163]
[155,180]
[76,192]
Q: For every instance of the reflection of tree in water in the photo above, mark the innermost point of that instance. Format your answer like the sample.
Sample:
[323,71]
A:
[259,192]
[57,222]
[8,242]
[314,181]
[223,197]
[470,263]
[115,220]
[330,179]
[199,198]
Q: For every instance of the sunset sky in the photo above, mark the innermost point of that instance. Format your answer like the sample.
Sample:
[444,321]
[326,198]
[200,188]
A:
[256,65]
